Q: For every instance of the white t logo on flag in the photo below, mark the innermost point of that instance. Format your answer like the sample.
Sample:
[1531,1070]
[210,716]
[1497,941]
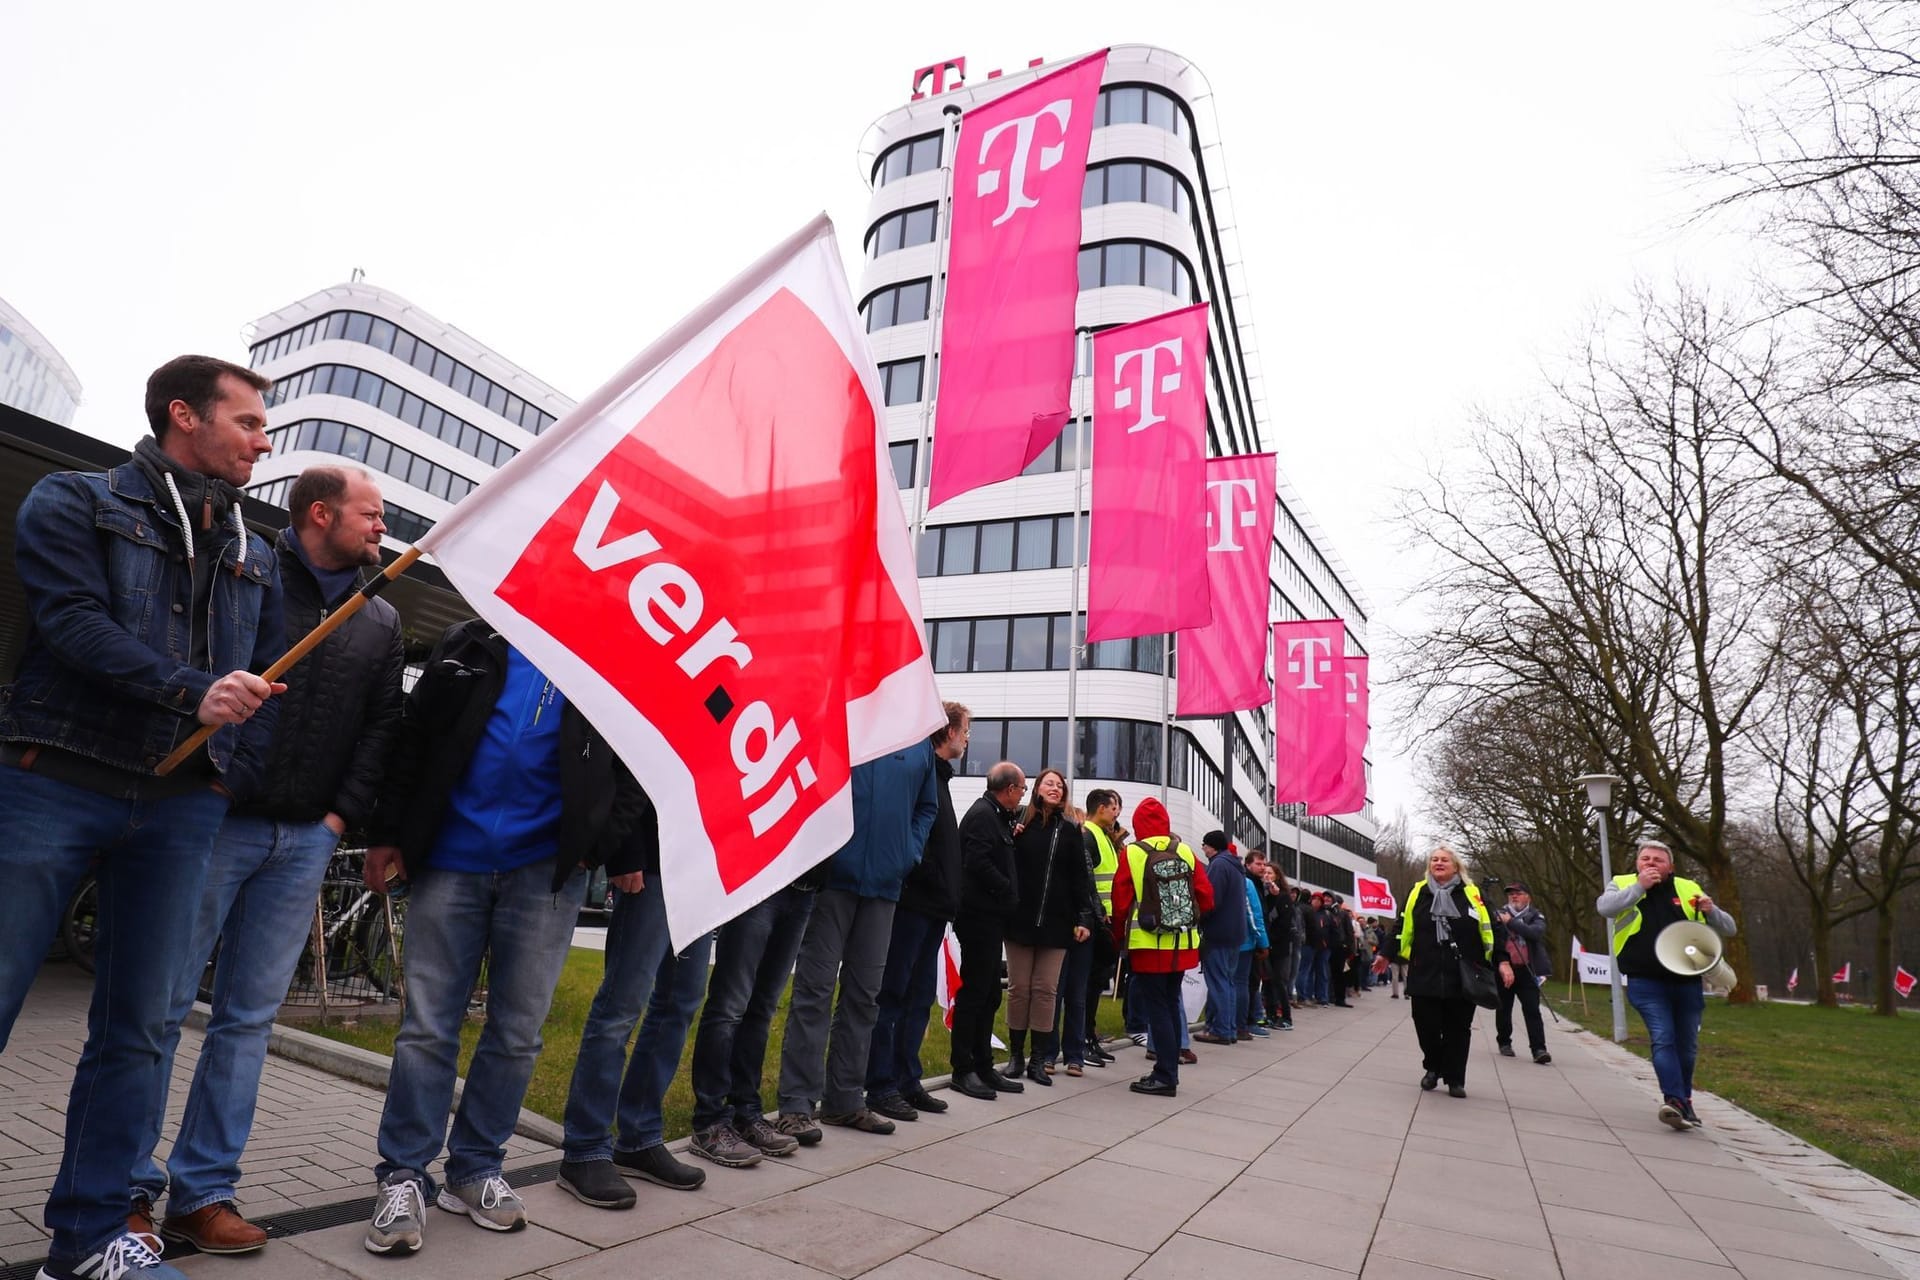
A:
[1168,383]
[1024,127]
[1353,687]
[1309,664]
[1226,495]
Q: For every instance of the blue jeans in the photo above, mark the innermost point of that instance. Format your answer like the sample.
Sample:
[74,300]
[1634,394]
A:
[906,1001]
[1243,991]
[1075,977]
[454,918]
[1672,1012]
[262,883]
[641,973]
[1223,1002]
[150,857]
[1319,975]
[752,961]
[1157,997]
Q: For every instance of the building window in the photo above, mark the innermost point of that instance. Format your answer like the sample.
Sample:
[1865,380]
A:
[402,524]
[903,159]
[1134,181]
[1140,104]
[1111,750]
[900,304]
[1035,642]
[384,335]
[1063,452]
[391,399]
[372,451]
[902,455]
[901,230]
[1135,262]
[900,381]
[998,546]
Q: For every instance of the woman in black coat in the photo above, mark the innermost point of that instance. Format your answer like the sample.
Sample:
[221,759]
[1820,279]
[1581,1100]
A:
[1056,911]
[1444,924]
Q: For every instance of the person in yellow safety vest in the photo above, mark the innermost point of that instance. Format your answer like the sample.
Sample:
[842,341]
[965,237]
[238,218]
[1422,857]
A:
[1159,956]
[1090,963]
[1642,904]
[1437,913]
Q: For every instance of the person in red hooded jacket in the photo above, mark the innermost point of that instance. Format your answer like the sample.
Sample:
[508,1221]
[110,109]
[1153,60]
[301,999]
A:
[1158,957]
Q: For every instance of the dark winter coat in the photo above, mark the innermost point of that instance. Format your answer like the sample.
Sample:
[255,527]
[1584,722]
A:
[1050,866]
[933,886]
[341,709]
[1226,930]
[1433,970]
[605,817]
[988,884]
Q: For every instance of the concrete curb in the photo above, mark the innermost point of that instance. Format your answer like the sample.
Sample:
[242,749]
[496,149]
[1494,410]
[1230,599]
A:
[363,1066]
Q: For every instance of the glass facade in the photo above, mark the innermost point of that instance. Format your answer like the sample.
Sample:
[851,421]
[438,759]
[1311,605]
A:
[1141,104]
[899,304]
[1000,546]
[900,381]
[384,335]
[1137,262]
[373,451]
[1032,642]
[1136,182]
[394,401]
[903,159]
[33,379]
[902,230]
[1113,750]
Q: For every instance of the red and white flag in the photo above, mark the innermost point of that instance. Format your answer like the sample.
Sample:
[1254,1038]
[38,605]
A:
[1845,974]
[1903,982]
[947,978]
[1309,710]
[1013,277]
[1223,665]
[706,556]
[1793,980]
[1350,788]
[1373,897]
[1147,552]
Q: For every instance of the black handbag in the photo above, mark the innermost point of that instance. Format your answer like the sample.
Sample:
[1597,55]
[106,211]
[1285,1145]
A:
[1477,982]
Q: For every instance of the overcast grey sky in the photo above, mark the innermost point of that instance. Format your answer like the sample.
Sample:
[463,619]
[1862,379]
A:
[1431,197]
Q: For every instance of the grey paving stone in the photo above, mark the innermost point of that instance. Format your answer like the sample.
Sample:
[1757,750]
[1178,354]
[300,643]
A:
[1187,1257]
[452,1247]
[1008,1249]
[1830,1249]
[1128,1206]
[1285,1166]
[276,1260]
[974,1166]
[1737,1184]
[1589,1260]
[682,1252]
[1447,1207]
[656,1209]
[1705,1209]
[1144,1154]
[1635,1196]
[1216,1135]
[912,1266]
[1577,1153]
[917,1198]
[1756,1266]
[823,1234]
[1290,1222]
[1469,1255]
[763,1181]
[1049,1150]
[1605,1228]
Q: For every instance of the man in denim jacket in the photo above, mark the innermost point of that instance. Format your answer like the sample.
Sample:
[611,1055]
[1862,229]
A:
[152,610]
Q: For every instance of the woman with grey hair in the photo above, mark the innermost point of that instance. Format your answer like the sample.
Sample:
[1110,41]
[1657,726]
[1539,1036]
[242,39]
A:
[1444,925]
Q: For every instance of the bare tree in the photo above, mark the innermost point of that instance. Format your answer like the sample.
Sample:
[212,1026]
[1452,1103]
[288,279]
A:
[1617,551]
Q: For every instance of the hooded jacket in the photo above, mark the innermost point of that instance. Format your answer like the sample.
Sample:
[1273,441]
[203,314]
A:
[933,886]
[895,801]
[1150,823]
[1225,930]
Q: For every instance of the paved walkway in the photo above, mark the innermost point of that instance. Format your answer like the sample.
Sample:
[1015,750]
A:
[1309,1155]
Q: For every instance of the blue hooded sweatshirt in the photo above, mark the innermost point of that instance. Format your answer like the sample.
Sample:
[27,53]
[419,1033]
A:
[504,813]
[894,805]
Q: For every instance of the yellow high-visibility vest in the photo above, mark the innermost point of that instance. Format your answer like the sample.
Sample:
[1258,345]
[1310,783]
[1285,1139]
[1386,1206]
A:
[1629,921]
[1139,939]
[1106,869]
[1480,916]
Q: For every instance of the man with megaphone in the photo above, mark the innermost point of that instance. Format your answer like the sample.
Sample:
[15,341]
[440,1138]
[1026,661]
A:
[1666,989]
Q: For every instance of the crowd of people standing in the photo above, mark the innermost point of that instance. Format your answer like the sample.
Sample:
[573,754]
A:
[487,796]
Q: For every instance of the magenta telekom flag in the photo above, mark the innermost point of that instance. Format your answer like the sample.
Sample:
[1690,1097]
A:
[1350,793]
[1223,665]
[1147,552]
[1309,709]
[1013,274]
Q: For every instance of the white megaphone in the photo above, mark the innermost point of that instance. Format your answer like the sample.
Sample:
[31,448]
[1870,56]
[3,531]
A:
[1694,951]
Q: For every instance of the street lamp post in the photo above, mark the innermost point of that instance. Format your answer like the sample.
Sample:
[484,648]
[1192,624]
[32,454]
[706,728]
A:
[1600,799]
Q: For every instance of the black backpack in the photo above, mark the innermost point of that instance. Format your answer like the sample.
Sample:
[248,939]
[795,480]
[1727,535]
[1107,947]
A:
[1167,904]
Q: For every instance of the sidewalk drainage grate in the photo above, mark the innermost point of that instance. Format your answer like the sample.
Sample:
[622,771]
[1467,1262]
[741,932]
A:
[298,1222]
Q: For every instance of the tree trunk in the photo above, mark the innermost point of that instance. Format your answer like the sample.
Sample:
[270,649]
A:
[1726,896]
[1823,992]
[1883,994]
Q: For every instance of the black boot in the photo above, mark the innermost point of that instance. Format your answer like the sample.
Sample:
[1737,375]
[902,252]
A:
[1042,1053]
[1016,1054]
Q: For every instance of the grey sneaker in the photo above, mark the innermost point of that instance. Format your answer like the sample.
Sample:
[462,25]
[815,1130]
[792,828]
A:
[489,1202]
[126,1255]
[768,1139]
[862,1119]
[799,1126]
[723,1146]
[398,1215]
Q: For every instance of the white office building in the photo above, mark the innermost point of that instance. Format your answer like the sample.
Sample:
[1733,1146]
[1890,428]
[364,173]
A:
[34,378]
[995,564]
[362,374]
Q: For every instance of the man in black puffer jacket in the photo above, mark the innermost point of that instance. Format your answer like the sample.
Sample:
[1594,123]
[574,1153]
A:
[928,900]
[323,766]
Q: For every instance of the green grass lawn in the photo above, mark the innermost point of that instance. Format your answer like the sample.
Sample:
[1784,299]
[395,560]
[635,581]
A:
[548,1094]
[1840,1079]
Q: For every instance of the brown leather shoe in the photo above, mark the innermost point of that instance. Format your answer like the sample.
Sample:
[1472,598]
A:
[140,1219]
[217,1228]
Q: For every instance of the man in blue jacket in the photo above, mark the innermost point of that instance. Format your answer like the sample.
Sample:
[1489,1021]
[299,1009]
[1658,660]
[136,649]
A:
[1221,935]
[895,800]
[152,609]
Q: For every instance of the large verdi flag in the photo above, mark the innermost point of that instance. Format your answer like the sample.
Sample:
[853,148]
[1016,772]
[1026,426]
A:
[708,558]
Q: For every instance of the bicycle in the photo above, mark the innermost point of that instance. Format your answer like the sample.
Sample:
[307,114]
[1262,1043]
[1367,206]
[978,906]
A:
[360,930]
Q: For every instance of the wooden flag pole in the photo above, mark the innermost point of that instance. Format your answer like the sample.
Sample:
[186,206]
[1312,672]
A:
[308,643]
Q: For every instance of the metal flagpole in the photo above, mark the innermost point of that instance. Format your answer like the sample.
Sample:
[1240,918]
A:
[1226,761]
[1166,726]
[936,308]
[1084,395]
